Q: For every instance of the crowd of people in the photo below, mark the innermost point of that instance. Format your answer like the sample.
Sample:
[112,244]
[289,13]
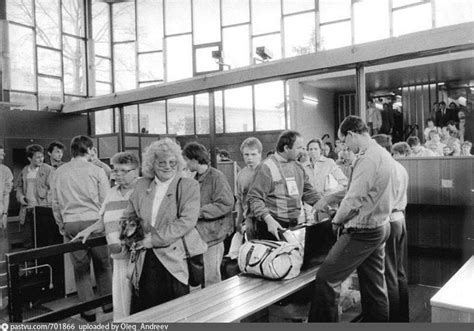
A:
[446,131]
[185,208]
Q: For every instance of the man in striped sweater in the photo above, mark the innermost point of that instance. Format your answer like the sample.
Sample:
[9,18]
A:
[126,166]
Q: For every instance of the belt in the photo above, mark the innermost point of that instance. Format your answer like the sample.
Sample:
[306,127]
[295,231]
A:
[288,223]
[397,215]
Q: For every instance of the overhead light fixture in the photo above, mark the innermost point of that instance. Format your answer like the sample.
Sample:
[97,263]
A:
[310,100]
[219,57]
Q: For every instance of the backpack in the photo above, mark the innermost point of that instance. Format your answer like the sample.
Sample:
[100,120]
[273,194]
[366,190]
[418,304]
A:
[271,259]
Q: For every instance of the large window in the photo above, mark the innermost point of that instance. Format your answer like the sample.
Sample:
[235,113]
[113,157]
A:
[47,24]
[145,42]
[47,54]
[235,12]
[294,6]
[130,119]
[300,35]
[74,63]
[450,12]
[153,117]
[236,45]
[104,121]
[335,18]
[150,25]
[266,16]
[22,58]
[202,113]
[125,66]
[269,106]
[179,55]
[335,35]
[103,57]
[238,109]
[412,19]
[206,20]
[173,10]
[180,116]
[371,20]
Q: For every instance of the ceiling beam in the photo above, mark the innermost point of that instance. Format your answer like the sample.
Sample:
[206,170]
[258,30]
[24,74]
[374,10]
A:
[421,44]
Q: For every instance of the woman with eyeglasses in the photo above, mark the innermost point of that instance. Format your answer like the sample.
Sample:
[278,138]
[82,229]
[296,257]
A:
[125,170]
[169,206]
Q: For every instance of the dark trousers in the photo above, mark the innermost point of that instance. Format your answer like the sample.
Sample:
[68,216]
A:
[356,249]
[81,261]
[28,233]
[156,285]
[395,275]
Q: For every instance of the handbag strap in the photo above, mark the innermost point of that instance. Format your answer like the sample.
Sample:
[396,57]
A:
[177,215]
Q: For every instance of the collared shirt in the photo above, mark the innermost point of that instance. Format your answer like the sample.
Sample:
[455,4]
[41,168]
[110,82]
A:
[374,117]
[369,199]
[6,185]
[400,187]
[55,164]
[244,181]
[273,189]
[31,186]
[79,188]
[102,165]
[160,192]
[112,209]
[320,170]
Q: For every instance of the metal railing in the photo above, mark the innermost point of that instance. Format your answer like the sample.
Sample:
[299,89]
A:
[14,260]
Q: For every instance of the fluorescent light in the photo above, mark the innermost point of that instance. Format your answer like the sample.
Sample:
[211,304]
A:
[310,99]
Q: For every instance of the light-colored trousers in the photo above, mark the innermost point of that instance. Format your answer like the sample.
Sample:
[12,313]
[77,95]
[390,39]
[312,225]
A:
[121,289]
[212,264]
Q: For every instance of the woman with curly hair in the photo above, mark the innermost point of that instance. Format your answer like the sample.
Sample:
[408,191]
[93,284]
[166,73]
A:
[169,206]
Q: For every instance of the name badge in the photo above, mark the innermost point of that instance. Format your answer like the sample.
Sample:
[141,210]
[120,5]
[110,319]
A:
[292,187]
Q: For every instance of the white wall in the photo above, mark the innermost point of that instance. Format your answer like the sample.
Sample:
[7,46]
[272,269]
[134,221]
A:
[310,119]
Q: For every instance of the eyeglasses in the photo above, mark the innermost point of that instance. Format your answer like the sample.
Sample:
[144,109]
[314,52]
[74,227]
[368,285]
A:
[163,164]
[122,171]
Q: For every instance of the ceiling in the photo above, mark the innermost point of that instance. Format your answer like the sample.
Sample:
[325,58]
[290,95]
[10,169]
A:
[442,68]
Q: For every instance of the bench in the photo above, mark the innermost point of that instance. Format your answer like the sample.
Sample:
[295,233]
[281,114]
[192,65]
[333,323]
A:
[228,301]
[454,302]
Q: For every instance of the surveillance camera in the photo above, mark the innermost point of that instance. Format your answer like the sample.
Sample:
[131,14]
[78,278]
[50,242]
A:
[264,53]
[217,55]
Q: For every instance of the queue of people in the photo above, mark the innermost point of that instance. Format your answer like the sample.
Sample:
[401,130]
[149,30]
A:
[187,213]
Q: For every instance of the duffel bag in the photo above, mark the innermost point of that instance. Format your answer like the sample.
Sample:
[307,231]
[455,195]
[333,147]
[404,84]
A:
[270,259]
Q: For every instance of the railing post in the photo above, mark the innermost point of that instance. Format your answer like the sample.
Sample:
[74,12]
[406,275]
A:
[14,300]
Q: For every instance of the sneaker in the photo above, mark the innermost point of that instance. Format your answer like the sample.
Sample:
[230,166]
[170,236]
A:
[88,318]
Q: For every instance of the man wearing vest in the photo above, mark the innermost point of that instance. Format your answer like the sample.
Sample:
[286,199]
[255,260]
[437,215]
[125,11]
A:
[279,187]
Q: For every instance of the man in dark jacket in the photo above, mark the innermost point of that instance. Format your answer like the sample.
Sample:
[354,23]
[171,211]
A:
[215,221]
